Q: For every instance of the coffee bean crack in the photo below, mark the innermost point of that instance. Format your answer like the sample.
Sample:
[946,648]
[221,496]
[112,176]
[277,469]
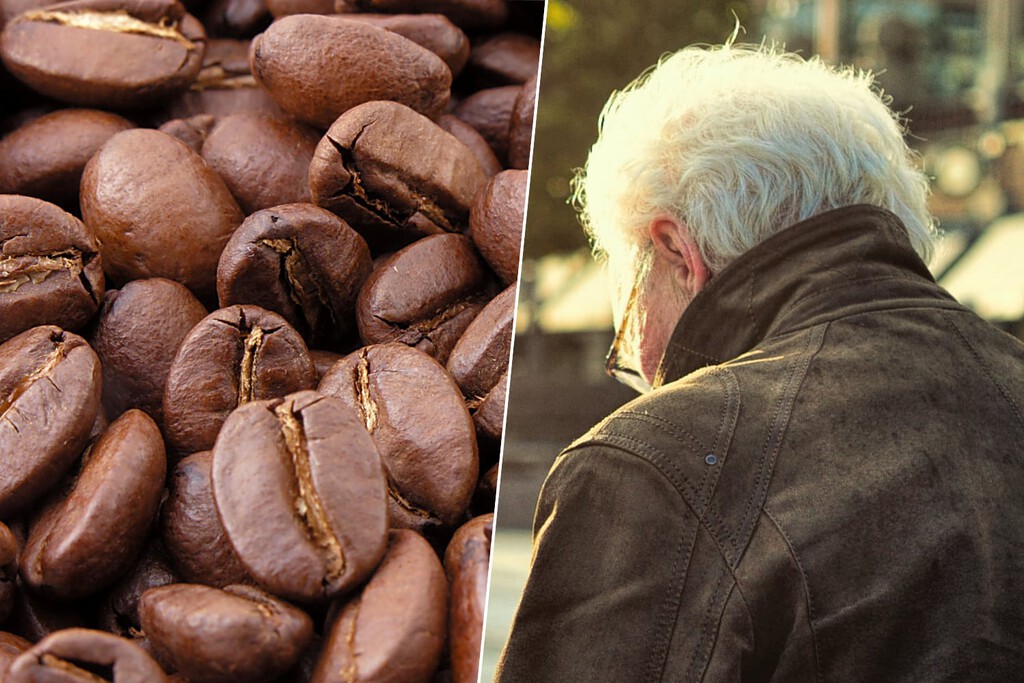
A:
[303,287]
[22,269]
[412,333]
[113,22]
[44,370]
[364,395]
[250,355]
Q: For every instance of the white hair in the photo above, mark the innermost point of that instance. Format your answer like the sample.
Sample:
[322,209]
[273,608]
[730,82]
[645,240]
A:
[738,142]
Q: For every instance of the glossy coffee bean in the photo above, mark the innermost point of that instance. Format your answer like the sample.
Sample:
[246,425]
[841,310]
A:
[424,295]
[321,524]
[468,14]
[333,70]
[496,223]
[11,646]
[466,560]
[393,631]
[432,31]
[9,548]
[136,337]
[85,655]
[45,157]
[50,269]
[191,530]
[301,262]
[394,175]
[504,59]
[520,127]
[140,51]
[239,634]
[49,399]
[490,112]
[86,539]
[416,416]
[467,135]
[489,415]
[234,355]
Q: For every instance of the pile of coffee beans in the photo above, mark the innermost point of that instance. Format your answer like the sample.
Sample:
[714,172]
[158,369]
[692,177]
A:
[257,273]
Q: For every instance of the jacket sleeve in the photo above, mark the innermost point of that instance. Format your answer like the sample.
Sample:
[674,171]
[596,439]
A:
[612,542]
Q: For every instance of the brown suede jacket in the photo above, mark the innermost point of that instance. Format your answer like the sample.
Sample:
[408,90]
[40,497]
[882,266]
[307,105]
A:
[828,485]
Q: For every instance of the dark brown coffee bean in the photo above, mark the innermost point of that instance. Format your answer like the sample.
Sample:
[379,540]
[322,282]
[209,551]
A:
[140,52]
[432,31]
[394,630]
[158,210]
[45,157]
[9,548]
[323,360]
[394,175]
[490,111]
[50,269]
[467,135]
[416,416]
[239,634]
[317,67]
[136,336]
[321,523]
[489,416]
[191,530]
[119,607]
[263,160]
[192,131]
[79,654]
[302,262]
[504,59]
[233,356]
[496,223]
[11,646]
[479,360]
[520,127]
[468,14]
[84,540]
[424,295]
[49,398]
[466,560]
[486,491]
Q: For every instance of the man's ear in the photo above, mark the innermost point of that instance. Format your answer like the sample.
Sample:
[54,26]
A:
[673,242]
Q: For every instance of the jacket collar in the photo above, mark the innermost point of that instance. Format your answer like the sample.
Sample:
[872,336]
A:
[844,261]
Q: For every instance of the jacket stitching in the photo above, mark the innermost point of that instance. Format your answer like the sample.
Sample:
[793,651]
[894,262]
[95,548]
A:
[670,427]
[698,651]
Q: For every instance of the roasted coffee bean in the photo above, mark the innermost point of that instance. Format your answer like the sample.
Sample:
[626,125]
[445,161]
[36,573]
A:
[489,416]
[158,210]
[466,560]
[234,355]
[49,398]
[323,360]
[50,270]
[479,360]
[136,337]
[343,63]
[263,160]
[490,112]
[394,630]
[140,51]
[496,223]
[9,548]
[191,530]
[84,540]
[320,526]
[192,131]
[424,295]
[504,59]
[467,14]
[432,31]
[467,135]
[394,175]
[301,262]
[79,654]
[520,127]
[11,646]
[239,634]
[416,416]
[45,157]
[119,607]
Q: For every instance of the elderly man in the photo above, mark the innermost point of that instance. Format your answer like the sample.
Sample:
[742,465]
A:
[824,478]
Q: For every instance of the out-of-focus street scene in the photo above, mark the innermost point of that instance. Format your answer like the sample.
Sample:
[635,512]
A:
[953,68]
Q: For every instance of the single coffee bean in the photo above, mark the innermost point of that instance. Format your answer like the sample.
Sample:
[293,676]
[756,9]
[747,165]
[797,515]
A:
[49,398]
[50,269]
[416,416]
[432,31]
[466,560]
[490,112]
[520,127]
[489,416]
[504,59]
[86,539]
[79,654]
[321,523]
[192,131]
[191,529]
[393,631]
[301,262]
[234,355]
[333,70]
[467,135]
[424,295]
[496,223]
[394,175]
[158,210]
[11,646]
[238,634]
[136,336]
[479,360]
[45,157]
[119,606]
[263,160]
[467,14]
[9,548]
[140,52]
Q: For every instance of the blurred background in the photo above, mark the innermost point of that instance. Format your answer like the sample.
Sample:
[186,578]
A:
[955,68]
